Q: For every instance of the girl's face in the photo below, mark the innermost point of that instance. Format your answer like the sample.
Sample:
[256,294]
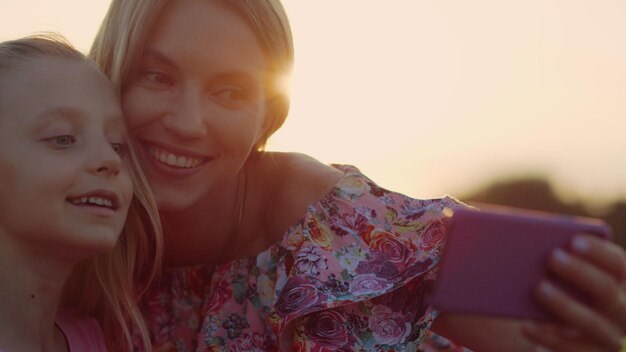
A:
[64,186]
[196,102]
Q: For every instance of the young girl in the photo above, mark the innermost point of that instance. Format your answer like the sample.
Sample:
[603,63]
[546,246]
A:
[78,229]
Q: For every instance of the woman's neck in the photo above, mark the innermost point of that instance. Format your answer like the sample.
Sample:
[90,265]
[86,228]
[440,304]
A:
[30,295]
[203,232]
[227,224]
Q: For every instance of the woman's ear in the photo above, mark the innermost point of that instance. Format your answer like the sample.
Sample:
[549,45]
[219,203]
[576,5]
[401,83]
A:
[276,109]
[266,122]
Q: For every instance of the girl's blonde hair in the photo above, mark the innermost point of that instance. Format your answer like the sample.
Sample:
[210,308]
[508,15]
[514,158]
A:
[106,287]
[121,40]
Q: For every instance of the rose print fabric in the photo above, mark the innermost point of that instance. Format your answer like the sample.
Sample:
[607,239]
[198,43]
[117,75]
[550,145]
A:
[351,275]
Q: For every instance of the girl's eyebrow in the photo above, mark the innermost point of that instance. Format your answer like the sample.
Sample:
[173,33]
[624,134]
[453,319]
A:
[74,116]
[63,112]
[116,122]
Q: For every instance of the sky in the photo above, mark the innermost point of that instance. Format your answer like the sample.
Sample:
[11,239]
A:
[434,97]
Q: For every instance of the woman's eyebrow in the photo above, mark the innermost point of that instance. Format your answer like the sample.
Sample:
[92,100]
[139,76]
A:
[239,75]
[155,55]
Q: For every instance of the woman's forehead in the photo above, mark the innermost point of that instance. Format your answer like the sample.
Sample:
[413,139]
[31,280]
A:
[209,31]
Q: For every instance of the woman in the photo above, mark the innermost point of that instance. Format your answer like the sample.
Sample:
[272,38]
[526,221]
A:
[276,250]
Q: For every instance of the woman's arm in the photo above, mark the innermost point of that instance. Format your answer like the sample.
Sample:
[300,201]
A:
[480,333]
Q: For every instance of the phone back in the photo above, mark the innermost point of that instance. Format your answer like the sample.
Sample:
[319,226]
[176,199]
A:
[495,257]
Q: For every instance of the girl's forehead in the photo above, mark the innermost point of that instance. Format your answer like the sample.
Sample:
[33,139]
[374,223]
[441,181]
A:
[45,87]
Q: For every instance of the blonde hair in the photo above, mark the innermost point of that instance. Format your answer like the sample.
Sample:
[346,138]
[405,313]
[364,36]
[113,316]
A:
[108,286]
[122,37]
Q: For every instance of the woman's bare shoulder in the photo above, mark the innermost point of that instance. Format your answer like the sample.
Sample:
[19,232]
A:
[305,174]
[296,181]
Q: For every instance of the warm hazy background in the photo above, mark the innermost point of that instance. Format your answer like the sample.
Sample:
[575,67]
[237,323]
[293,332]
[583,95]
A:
[438,96]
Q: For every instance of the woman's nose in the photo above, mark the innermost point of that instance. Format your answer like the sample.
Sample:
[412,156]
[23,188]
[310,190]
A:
[188,119]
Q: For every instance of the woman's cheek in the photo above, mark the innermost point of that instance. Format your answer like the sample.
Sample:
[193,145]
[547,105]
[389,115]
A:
[139,107]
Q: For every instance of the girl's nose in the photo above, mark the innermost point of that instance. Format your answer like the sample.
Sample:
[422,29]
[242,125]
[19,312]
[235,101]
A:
[189,118]
[107,162]
[109,169]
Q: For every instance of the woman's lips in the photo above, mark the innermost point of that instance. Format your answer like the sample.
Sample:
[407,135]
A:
[173,160]
[173,163]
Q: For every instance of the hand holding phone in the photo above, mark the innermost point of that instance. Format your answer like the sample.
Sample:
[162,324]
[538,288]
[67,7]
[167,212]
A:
[494,258]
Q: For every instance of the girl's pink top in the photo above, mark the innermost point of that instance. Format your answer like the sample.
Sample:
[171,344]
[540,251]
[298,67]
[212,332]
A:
[82,334]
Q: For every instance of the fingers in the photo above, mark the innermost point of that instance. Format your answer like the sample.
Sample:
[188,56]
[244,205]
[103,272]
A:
[605,254]
[596,327]
[549,337]
[604,290]
[595,268]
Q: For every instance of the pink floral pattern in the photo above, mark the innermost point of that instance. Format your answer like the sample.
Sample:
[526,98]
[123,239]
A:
[351,275]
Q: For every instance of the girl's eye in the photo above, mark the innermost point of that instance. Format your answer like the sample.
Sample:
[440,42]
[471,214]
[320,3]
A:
[62,142]
[120,148]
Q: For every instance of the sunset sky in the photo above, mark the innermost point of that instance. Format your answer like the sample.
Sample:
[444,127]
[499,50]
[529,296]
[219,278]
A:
[430,97]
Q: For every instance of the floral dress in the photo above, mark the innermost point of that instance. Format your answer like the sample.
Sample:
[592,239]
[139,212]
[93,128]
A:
[351,275]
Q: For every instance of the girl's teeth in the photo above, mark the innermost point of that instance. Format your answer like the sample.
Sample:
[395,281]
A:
[93,200]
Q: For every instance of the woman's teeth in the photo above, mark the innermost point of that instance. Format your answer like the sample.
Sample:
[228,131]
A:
[174,160]
[93,200]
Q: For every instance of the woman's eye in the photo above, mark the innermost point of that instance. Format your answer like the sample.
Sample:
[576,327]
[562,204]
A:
[62,142]
[233,95]
[158,78]
[120,148]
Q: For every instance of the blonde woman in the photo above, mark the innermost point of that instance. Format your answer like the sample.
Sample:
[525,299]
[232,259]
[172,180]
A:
[79,233]
[270,251]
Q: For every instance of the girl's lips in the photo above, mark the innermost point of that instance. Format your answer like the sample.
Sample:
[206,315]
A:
[100,202]
[100,197]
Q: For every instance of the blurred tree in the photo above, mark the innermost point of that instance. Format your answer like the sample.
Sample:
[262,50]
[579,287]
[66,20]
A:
[617,218]
[537,193]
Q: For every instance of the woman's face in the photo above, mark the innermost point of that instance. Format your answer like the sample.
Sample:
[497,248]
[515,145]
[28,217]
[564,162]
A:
[196,103]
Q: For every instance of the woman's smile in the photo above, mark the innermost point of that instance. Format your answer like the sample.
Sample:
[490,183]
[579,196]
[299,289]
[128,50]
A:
[178,161]
[173,161]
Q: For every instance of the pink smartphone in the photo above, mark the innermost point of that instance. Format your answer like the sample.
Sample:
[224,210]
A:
[493,259]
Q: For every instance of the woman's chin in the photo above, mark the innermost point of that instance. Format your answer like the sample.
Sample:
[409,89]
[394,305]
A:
[168,203]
